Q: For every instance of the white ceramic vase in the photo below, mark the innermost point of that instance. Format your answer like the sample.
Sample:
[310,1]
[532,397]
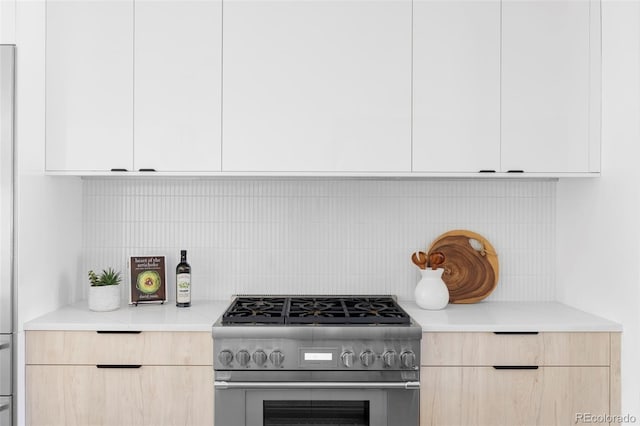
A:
[104,298]
[431,292]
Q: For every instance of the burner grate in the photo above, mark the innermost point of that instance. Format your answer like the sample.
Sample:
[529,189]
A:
[379,310]
[316,310]
[263,310]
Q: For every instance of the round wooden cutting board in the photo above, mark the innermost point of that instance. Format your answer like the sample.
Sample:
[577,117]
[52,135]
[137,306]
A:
[470,273]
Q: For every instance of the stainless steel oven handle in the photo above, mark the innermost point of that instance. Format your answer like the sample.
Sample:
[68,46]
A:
[316,385]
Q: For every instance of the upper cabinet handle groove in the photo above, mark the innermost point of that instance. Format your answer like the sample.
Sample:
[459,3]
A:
[119,331]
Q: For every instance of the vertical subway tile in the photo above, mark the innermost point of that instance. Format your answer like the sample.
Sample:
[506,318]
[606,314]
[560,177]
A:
[319,235]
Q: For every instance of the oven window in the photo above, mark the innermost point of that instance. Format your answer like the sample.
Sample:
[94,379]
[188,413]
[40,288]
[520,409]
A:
[316,413]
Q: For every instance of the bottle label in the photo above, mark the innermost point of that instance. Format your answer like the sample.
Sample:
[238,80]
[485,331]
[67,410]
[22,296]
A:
[183,288]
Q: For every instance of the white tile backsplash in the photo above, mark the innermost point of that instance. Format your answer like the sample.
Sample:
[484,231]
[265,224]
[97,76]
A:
[318,235]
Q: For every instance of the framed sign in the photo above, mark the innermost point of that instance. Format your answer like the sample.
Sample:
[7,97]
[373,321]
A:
[148,279]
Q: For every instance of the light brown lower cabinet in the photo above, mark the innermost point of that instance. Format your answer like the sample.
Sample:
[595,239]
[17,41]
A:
[486,396]
[83,378]
[511,379]
[150,395]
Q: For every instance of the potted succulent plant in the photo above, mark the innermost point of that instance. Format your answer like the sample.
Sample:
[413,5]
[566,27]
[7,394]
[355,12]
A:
[104,292]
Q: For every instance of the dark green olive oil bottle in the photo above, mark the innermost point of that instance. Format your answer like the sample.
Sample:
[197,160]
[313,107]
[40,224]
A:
[183,281]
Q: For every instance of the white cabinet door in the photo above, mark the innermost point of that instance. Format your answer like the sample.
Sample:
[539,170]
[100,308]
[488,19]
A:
[546,80]
[178,85]
[456,86]
[317,85]
[89,85]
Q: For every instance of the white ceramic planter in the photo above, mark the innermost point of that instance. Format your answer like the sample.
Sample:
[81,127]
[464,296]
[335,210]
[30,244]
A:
[431,292]
[104,298]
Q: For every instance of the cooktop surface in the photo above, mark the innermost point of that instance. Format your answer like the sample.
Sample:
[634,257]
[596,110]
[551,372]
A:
[316,310]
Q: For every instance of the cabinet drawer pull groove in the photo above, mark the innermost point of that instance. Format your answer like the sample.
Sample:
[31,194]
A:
[118,365]
[507,333]
[119,332]
[147,170]
[515,171]
[119,170]
[487,171]
[515,367]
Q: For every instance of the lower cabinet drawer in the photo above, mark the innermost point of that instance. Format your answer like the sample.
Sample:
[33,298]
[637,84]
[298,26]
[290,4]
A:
[488,349]
[148,395]
[486,396]
[99,347]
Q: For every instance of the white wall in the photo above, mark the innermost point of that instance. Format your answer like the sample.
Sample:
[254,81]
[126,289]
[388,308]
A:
[48,210]
[598,225]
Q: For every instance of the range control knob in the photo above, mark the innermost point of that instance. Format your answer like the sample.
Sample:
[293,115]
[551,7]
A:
[225,357]
[389,358]
[259,357]
[347,359]
[408,359]
[243,357]
[367,357]
[276,358]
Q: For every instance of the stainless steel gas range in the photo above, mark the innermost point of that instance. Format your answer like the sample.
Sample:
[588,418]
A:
[316,360]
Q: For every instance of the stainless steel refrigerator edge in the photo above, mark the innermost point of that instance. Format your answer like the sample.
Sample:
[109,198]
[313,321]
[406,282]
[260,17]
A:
[7,96]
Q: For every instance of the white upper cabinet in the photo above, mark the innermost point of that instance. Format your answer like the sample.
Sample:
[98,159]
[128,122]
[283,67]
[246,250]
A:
[372,87]
[177,81]
[317,86]
[98,68]
[89,85]
[550,86]
[456,86]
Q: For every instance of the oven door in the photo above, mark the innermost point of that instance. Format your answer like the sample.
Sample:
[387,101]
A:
[316,402]
[316,407]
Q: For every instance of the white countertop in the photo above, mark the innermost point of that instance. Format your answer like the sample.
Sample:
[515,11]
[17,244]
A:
[200,316]
[509,316]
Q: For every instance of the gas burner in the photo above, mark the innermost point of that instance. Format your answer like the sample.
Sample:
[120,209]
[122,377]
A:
[370,308]
[315,313]
[315,306]
[374,307]
[258,307]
